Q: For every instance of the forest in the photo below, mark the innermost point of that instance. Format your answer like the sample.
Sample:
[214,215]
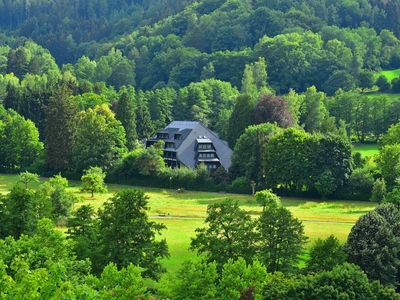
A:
[294,87]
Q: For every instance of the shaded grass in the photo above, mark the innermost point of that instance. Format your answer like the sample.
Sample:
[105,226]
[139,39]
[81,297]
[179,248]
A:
[187,212]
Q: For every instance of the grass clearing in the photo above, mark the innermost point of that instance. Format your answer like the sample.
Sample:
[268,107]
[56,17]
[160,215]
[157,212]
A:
[182,213]
[366,149]
[389,74]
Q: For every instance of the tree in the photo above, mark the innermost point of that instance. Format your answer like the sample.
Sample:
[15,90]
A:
[339,80]
[250,148]
[241,118]
[383,83]
[144,125]
[392,136]
[20,146]
[93,181]
[83,230]
[62,200]
[343,281]
[325,255]
[313,110]
[99,139]
[126,114]
[389,164]
[127,235]
[27,178]
[395,85]
[374,244]
[229,234]
[378,191]
[195,280]
[280,236]
[366,79]
[273,109]
[60,115]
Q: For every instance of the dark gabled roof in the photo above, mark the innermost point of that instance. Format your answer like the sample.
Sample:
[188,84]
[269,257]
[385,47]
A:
[191,133]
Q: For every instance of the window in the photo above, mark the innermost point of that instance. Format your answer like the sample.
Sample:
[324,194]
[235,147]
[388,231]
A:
[177,136]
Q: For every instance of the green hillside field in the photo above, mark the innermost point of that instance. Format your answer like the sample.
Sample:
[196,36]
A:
[182,213]
[389,74]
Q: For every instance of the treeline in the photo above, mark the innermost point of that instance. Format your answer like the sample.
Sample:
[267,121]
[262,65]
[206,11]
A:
[64,27]
[116,251]
[304,43]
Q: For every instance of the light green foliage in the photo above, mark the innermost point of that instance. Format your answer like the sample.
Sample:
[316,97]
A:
[229,234]
[268,199]
[389,164]
[313,110]
[325,255]
[93,181]
[90,100]
[392,136]
[20,146]
[196,281]
[239,279]
[280,236]
[378,191]
[393,197]
[126,283]
[99,139]
[27,178]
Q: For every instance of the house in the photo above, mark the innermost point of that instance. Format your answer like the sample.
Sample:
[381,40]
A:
[189,144]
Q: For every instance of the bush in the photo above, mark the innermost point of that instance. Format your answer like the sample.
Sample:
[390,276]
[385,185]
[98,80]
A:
[359,186]
[241,185]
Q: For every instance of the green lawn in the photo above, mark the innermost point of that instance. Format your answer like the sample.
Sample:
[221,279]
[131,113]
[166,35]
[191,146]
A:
[182,213]
[366,149]
[389,74]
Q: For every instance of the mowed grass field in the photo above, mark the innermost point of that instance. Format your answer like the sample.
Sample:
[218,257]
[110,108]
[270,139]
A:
[182,213]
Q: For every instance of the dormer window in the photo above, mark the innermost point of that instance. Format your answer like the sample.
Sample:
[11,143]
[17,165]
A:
[162,135]
[205,146]
[177,136]
[169,145]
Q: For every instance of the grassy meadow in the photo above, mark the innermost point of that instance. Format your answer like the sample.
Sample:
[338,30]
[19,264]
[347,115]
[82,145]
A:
[366,149]
[389,74]
[182,213]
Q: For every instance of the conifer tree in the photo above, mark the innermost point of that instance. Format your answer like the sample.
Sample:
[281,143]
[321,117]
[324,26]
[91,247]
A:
[126,114]
[60,114]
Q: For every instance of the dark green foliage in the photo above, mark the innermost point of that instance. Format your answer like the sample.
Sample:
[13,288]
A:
[374,244]
[325,255]
[383,84]
[144,126]
[128,236]
[126,114]
[229,234]
[249,150]
[366,79]
[241,118]
[296,160]
[60,114]
[396,85]
[344,281]
[280,237]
